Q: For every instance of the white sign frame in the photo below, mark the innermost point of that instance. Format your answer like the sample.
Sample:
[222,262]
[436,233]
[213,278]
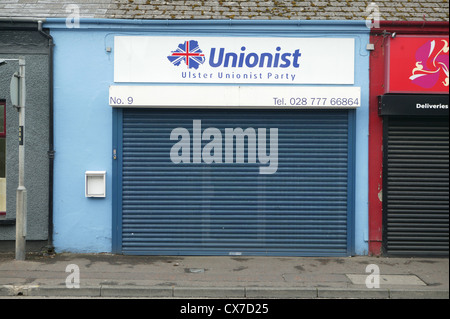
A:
[144,59]
[210,96]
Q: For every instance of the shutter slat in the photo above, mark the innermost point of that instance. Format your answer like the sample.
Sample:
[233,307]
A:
[223,208]
[417,216]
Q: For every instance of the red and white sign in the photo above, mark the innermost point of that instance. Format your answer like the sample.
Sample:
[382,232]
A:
[418,64]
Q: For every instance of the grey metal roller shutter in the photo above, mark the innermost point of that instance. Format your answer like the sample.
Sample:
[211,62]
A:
[416,186]
[232,209]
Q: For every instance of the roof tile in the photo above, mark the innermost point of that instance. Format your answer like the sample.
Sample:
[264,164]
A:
[430,10]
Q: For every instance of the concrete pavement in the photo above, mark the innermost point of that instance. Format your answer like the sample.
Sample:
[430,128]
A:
[114,276]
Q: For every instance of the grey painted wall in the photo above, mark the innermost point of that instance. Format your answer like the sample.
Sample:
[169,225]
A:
[34,48]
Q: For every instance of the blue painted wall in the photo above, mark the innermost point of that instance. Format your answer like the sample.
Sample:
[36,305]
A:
[83,117]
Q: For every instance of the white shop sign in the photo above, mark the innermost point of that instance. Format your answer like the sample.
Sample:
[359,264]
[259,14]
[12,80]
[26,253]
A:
[234,96]
[234,60]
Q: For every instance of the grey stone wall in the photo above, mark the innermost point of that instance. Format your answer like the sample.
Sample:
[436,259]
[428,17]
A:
[34,48]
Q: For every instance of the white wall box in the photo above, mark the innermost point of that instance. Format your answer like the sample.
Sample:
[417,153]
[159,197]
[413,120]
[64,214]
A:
[95,184]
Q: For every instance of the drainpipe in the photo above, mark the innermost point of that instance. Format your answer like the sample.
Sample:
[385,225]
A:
[51,151]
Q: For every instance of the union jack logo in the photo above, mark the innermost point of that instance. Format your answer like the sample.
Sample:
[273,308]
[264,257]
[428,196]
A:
[189,52]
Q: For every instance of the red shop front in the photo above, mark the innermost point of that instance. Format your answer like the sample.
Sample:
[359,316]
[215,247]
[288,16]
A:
[409,142]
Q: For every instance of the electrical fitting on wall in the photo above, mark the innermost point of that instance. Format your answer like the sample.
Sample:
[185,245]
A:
[96,184]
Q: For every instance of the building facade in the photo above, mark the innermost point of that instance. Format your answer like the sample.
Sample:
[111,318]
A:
[408,190]
[118,190]
[211,137]
[26,40]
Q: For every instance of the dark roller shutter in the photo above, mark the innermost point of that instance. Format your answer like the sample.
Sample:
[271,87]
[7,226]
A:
[232,209]
[416,201]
